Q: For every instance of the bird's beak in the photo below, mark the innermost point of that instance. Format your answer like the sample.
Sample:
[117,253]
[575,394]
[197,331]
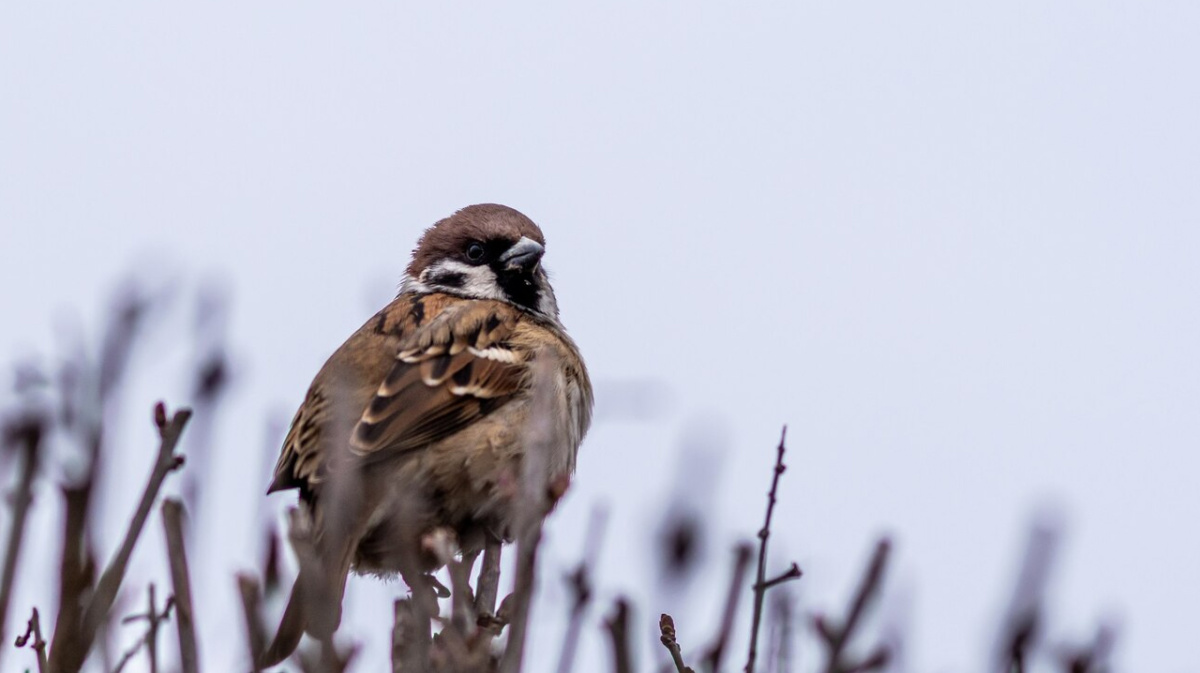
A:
[524,255]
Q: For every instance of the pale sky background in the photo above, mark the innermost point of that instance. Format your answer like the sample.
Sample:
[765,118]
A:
[954,245]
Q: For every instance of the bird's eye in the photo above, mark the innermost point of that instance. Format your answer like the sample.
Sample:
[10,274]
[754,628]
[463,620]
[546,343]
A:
[475,251]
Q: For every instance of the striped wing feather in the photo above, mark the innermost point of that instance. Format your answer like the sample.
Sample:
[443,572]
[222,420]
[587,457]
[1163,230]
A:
[448,363]
[449,373]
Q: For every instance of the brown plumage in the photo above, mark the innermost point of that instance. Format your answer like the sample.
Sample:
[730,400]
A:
[423,417]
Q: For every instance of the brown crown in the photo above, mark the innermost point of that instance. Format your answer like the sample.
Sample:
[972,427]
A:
[482,222]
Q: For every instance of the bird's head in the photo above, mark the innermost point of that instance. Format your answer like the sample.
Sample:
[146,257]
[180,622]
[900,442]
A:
[486,251]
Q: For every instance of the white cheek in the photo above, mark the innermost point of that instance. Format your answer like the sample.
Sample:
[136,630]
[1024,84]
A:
[478,281]
[481,282]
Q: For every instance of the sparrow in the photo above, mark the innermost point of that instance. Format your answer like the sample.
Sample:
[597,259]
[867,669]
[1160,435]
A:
[425,418]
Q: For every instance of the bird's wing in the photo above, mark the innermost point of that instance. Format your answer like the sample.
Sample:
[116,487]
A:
[344,387]
[450,372]
[299,464]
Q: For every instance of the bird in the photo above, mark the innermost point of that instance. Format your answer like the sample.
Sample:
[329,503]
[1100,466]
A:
[427,417]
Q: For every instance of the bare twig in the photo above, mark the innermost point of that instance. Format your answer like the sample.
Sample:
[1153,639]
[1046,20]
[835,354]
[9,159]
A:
[443,544]
[1094,657]
[837,637]
[762,584]
[741,565]
[28,433]
[462,596]
[154,619]
[1022,623]
[76,573]
[537,488]
[779,657]
[527,548]
[87,395]
[252,618]
[666,628]
[618,631]
[462,607]
[172,513]
[792,573]
[110,582]
[33,630]
[210,382]
[403,628]
[581,588]
[487,585]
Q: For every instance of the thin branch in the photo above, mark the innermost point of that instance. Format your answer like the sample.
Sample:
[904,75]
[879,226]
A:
[666,627]
[716,652]
[1023,620]
[172,514]
[837,638]
[1094,657]
[462,605]
[792,573]
[252,618]
[110,582]
[77,569]
[404,626]
[580,582]
[150,640]
[779,656]
[527,548]
[488,583]
[33,630]
[539,489]
[28,432]
[618,631]
[761,584]
[444,546]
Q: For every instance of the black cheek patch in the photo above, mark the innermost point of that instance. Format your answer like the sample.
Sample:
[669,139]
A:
[452,279]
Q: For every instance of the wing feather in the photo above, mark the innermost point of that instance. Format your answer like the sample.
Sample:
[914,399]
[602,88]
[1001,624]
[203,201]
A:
[449,373]
[421,370]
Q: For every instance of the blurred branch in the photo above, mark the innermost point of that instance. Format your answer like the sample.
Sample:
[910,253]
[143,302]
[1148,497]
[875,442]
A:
[487,585]
[780,629]
[666,627]
[110,582]
[527,547]
[461,646]
[762,584]
[1022,625]
[618,631]
[150,640]
[539,489]
[77,569]
[327,659]
[741,565]
[26,431]
[837,638]
[33,630]
[462,599]
[252,618]
[1094,658]
[172,514]
[404,627]
[580,582]
[210,383]
[128,314]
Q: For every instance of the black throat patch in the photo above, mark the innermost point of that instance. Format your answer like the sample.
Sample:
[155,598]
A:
[520,288]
